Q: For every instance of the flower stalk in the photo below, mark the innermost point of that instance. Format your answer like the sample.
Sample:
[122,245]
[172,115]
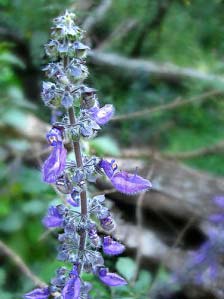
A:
[82,118]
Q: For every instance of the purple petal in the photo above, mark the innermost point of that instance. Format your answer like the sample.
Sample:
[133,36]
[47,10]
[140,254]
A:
[53,218]
[73,201]
[72,288]
[55,164]
[216,218]
[108,167]
[102,115]
[130,183]
[38,294]
[111,279]
[219,201]
[112,247]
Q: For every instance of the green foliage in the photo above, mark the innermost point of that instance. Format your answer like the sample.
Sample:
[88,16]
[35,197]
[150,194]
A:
[190,35]
[104,145]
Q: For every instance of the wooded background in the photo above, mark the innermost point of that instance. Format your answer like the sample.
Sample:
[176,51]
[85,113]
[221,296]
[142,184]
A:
[161,63]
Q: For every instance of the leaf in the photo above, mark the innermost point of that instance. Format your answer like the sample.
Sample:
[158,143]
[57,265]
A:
[126,267]
[144,281]
[12,222]
[34,207]
[105,145]
[31,182]
[14,118]
[9,58]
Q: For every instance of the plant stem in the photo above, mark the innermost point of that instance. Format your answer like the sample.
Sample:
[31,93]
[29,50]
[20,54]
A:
[83,195]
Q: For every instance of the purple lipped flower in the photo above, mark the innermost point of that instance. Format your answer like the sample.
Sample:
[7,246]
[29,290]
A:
[53,218]
[54,166]
[54,136]
[73,285]
[107,223]
[112,247]
[38,294]
[123,181]
[102,115]
[110,279]
[129,183]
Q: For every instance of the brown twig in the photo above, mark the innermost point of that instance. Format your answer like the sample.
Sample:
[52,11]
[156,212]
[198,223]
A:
[139,219]
[169,106]
[120,32]
[217,148]
[130,67]
[4,249]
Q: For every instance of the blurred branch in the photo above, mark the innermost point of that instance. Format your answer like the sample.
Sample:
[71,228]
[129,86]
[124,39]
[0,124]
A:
[217,148]
[120,31]
[96,16]
[21,265]
[149,25]
[169,106]
[166,71]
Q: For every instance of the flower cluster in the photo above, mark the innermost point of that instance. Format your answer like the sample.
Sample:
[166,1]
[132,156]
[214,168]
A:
[206,261]
[79,217]
[204,265]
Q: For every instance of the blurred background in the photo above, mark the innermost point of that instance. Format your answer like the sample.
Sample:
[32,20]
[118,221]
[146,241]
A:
[161,63]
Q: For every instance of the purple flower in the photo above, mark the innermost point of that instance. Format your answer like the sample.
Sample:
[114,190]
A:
[54,136]
[107,223]
[112,247]
[217,218]
[102,115]
[108,167]
[55,164]
[111,279]
[53,218]
[92,233]
[219,201]
[123,181]
[72,287]
[38,294]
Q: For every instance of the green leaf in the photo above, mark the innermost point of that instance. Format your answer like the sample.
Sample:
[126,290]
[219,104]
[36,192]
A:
[9,58]
[34,207]
[126,267]
[31,182]
[14,118]
[105,145]
[12,223]
[144,281]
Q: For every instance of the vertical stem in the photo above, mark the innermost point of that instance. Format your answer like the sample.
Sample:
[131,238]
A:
[83,195]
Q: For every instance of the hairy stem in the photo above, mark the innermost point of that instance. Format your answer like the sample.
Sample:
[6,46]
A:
[83,196]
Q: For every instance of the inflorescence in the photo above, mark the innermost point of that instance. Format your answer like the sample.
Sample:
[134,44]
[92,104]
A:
[80,117]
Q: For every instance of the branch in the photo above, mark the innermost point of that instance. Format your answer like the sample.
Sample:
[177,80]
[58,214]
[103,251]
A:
[21,265]
[217,148]
[120,32]
[166,71]
[96,16]
[173,105]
